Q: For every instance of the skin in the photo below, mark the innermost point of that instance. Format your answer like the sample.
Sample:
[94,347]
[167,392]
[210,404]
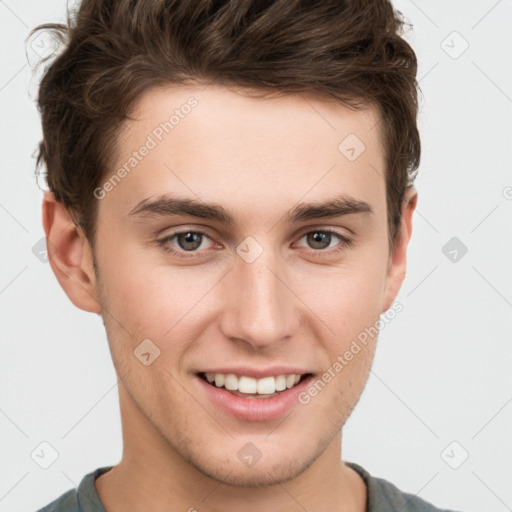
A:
[295,305]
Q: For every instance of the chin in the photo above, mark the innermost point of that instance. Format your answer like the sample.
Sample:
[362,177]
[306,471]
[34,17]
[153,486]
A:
[260,475]
[277,465]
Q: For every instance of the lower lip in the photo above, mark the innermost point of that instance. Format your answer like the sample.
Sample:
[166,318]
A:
[255,409]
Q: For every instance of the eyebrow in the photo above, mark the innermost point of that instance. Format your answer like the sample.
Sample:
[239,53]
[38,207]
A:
[164,206]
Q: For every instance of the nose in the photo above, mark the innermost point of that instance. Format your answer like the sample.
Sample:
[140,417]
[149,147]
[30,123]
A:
[260,306]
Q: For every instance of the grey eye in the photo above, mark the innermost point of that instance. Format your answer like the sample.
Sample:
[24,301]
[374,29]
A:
[189,241]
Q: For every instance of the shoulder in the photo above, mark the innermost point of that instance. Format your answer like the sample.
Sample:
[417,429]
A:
[84,498]
[67,502]
[383,496]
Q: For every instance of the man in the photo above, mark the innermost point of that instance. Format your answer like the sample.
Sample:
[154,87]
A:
[231,190]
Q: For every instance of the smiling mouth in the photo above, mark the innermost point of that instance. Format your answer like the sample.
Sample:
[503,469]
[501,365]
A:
[249,387]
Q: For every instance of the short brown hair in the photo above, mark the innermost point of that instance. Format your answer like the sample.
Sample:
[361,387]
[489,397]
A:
[351,50]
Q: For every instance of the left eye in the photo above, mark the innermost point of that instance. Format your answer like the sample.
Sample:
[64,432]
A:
[321,239]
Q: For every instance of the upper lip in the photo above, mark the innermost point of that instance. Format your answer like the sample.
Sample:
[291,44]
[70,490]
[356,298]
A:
[258,373]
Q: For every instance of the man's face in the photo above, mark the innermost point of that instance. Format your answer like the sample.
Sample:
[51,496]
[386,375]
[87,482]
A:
[269,293]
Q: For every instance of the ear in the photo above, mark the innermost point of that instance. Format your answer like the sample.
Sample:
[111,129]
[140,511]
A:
[70,255]
[398,257]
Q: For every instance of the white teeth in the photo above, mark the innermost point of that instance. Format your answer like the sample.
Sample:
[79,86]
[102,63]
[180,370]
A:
[290,380]
[266,386]
[230,382]
[249,385]
[280,382]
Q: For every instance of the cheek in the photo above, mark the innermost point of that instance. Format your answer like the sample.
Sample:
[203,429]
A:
[157,301]
[348,299]
[348,304]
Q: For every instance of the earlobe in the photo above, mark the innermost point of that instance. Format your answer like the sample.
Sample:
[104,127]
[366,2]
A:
[70,255]
[398,258]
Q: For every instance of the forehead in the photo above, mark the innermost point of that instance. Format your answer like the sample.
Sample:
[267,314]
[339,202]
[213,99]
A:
[232,144]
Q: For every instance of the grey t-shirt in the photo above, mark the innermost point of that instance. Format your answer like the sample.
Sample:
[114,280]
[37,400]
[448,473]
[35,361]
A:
[383,496]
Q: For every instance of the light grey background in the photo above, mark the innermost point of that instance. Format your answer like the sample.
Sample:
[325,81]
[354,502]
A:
[442,372]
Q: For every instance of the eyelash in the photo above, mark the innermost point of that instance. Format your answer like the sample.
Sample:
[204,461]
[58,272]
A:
[164,243]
